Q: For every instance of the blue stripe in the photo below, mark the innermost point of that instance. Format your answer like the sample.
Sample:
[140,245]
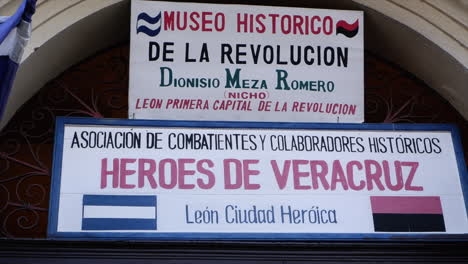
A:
[8,70]
[120,200]
[148,31]
[152,20]
[118,224]
[259,237]
[248,125]
[11,22]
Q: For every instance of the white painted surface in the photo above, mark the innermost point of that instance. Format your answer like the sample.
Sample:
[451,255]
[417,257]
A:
[295,187]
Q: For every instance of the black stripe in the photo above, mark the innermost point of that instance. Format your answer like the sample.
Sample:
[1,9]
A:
[409,223]
[348,33]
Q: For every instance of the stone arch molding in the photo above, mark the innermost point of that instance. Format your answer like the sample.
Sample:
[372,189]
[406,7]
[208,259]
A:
[428,38]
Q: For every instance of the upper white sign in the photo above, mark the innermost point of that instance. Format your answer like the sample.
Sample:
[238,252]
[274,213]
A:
[245,63]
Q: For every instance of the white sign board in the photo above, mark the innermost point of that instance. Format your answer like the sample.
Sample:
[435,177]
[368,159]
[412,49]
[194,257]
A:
[205,180]
[193,61]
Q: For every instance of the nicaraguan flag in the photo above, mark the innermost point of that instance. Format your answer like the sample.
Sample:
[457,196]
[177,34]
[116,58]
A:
[14,35]
[407,214]
[119,212]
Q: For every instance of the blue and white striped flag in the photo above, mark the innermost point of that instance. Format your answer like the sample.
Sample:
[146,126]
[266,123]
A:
[14,35]
[119,212]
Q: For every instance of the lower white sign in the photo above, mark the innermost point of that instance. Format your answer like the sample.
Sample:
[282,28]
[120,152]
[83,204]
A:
[211,180]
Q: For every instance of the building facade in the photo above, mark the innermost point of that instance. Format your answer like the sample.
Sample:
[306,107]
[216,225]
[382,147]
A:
[76,64]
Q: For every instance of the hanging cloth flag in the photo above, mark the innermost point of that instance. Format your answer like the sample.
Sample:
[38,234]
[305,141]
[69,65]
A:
[15,32]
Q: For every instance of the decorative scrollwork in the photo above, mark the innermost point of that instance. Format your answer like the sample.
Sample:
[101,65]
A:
[26,142]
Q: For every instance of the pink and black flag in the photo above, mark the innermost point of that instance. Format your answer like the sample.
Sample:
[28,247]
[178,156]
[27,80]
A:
[349,30]
[407,214]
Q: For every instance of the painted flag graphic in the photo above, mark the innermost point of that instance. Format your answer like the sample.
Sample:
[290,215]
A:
[119,212]
[407,214]
[153,21]
[349,30]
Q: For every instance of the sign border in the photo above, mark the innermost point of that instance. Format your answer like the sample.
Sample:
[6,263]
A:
[52,232]
[360,86]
